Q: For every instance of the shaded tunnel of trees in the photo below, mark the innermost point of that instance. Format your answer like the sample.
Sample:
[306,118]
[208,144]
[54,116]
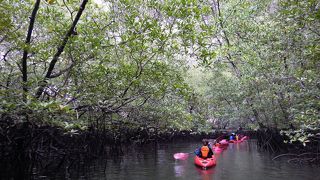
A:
[77,75]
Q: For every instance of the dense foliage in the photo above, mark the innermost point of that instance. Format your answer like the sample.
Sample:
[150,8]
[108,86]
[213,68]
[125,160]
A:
[165,65]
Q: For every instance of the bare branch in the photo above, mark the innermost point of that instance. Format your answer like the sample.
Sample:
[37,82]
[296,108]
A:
[25,51]
[61,48]
[62,71]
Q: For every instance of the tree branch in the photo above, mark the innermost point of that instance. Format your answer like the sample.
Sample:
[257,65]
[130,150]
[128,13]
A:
[229,58]
[61,71]
[27,43]
[61,48]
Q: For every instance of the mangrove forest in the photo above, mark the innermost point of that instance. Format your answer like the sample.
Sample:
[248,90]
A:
[86,79]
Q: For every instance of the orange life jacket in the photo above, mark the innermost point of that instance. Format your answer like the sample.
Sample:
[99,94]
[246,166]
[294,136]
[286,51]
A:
[204,151]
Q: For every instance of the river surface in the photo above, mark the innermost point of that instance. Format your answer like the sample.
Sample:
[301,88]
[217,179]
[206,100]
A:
[155,162]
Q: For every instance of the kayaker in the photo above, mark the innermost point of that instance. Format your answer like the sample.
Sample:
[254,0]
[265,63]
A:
[232,137]
[198,152]
[206,151]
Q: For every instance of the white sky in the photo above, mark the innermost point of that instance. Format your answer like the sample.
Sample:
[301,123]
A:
[103,4]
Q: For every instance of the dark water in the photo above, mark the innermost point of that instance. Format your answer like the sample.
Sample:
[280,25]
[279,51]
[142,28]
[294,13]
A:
[239,162]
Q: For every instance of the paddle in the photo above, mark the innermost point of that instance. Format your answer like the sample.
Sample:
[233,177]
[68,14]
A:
[181,156]
[184,156]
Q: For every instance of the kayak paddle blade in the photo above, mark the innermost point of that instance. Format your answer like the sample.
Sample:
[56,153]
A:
[181,156]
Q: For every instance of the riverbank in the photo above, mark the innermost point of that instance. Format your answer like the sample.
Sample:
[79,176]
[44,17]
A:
[295,146]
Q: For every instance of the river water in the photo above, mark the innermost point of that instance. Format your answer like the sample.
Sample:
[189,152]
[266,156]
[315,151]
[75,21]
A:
[155,162]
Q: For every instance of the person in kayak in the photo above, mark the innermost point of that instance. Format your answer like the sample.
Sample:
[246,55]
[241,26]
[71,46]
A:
[206,151]
[232,136]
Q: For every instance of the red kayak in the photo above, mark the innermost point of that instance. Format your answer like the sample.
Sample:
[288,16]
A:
[235,141]
[205,163]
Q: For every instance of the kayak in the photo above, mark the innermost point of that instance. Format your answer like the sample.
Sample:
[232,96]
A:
[217,149]
[235,141]
[222,147]
[244,138]
[205,163]
[224,142]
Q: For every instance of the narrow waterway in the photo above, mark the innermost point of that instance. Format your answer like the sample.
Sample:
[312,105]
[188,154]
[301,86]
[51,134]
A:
[239,162]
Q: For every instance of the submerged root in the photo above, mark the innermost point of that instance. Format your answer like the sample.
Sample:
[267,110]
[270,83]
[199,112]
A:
[282,155]
[308,157]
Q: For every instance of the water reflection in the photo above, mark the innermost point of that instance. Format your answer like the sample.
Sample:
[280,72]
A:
[240,161]
[238,146]
[206,174]
[180,168]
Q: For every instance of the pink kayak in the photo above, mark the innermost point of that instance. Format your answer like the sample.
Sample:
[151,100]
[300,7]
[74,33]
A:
[205,163]
[235,141]
[224,142]
[244,138]
[217,149]
[223,147]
